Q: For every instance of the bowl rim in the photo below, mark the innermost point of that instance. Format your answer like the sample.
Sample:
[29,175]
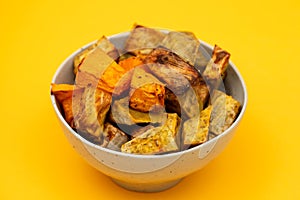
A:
[140,156]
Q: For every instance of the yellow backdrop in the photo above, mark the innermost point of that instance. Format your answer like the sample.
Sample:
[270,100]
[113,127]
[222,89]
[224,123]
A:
[261,162]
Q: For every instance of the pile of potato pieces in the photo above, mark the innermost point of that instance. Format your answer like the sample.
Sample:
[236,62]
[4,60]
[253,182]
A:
[157,95]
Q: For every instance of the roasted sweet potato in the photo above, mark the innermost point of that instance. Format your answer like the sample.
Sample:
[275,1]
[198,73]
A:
[140,131]
[173,79]
[172,61]
[201,91]
[195,130]
[121,113]
[116,77]
[172,104]
[92,68]
[104,44]
[91,111]
[110,77]
[216,67]
[158,140]
[143,38]
[146,92]
[113,138]
[101,70]
[63,94]
[190,103]
[225,110]
[123,84]
[184,44]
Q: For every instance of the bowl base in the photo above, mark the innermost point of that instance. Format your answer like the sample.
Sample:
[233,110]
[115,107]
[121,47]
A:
[147,187]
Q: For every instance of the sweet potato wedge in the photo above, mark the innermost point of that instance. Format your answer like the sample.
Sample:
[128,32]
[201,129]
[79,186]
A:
[195,130]
[146,92]
[104,44]
[157,140]
[216,67]
[142,37]
[225,110]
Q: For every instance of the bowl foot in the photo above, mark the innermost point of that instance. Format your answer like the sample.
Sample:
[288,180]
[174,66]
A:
[146,187]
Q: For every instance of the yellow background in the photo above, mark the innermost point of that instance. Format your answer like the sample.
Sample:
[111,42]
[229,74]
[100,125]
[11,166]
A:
[261,162]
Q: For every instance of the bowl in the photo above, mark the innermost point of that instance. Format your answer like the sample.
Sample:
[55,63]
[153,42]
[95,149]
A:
[149,173]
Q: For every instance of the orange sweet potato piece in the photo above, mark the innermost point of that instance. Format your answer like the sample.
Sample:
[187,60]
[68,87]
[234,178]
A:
[146,91]
[104,44]
[63,94]
[90,111]
[130,63]
[116,78]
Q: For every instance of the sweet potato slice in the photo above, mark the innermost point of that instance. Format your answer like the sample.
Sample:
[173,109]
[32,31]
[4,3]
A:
[90,114]
[98,69]
[135,133]
[225,110]
[143,38]
[121,113]
[63,94]
[216,67]
[173,79]
[190,103]
[92,68]
[110,77]
[122,85]
[184,44]
[146,92]
[172,61]
[113,138]
[195,130]
[201,91]
[104,44]
[62,91]
[172,104]
[158,140]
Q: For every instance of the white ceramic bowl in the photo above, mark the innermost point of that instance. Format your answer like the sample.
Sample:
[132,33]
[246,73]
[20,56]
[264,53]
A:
[149,173]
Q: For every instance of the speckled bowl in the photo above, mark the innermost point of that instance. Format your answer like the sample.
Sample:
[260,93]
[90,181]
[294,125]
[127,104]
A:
[149,173]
